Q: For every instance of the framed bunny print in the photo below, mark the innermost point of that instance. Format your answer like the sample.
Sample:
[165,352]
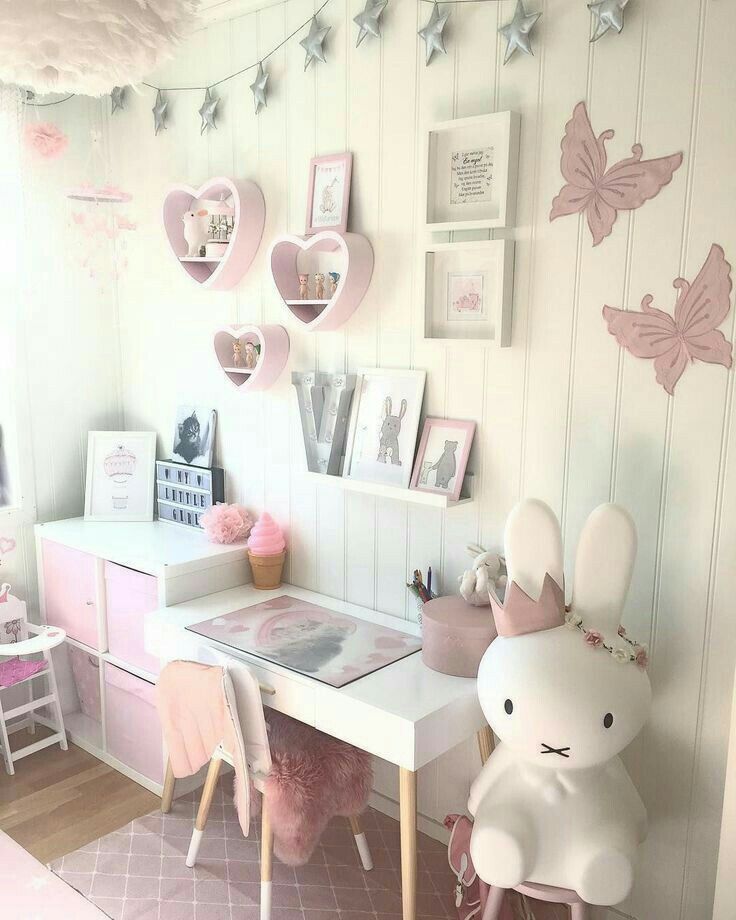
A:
[384,422]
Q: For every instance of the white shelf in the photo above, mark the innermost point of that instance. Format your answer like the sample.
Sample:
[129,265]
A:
[307,303]
[199,259]
[246,372]
[109,658]
[413,496]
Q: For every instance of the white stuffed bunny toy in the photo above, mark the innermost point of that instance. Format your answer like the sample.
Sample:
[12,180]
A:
[486,575]
[565,695]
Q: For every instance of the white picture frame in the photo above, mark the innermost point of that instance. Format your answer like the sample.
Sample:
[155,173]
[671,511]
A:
[379,429]
[469,291]
[471,172]
[121,475]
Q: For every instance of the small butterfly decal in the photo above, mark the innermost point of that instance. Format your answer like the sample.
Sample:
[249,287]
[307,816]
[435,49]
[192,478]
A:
[692,334]
[602,193]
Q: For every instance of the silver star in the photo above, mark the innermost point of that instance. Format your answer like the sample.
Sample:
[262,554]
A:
[518,30]
[207,111]
[610,15]
[258,88]
[312,44]
[117,97]
[159,112]
[432,33]
[367,21]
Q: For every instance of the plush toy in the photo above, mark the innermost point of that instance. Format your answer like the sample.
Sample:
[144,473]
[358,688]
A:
[565,692]
[487,573]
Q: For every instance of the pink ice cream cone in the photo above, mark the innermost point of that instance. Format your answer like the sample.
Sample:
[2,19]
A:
[267,552]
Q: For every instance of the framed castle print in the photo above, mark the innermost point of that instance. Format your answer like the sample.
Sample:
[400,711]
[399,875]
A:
[442,457]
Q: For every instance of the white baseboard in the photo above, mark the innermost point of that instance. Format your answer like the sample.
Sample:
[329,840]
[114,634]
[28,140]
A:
[426,825]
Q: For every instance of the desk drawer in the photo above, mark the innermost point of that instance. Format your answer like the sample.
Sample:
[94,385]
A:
[290,697]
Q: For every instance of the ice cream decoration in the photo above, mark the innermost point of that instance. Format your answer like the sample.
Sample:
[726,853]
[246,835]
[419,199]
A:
[266,551]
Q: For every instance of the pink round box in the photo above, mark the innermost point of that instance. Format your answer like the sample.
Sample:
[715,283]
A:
[455,635]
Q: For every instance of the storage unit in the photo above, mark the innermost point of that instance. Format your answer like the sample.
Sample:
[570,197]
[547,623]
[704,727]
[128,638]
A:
[99,582]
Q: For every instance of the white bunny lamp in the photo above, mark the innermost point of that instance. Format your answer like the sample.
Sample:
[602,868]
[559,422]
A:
[565,694]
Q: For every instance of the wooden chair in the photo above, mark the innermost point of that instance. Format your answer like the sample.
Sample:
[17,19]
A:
[496,896]
[15,671]
[246,715]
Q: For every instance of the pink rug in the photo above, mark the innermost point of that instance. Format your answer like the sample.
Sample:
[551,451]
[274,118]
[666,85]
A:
[138,873]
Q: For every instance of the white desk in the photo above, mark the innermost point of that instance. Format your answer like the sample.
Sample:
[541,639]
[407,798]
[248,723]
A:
[405,713]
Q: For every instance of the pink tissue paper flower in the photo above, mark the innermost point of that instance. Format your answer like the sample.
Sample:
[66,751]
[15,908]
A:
[46,140]
[641,656]
[593,638]
[227,523]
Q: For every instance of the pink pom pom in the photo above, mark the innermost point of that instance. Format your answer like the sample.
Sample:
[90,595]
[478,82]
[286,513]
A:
[227,523]
[46,139]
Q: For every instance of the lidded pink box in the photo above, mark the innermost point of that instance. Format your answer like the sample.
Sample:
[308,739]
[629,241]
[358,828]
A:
[455,635]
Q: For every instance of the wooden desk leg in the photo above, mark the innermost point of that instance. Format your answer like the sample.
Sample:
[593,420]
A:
[485,743]
[408,809]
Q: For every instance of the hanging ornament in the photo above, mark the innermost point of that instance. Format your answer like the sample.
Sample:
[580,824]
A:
[432,33]
[88,46]
[367,21]
[159,112]
[609,15]
[207,111]
[517,32]
[258,88]
[45,139]
[117,98]
[312,44]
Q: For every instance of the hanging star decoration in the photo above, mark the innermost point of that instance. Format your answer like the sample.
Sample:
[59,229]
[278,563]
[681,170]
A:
[432,33]
[207,111]
[258,88]
[312,44]
[117,98]
[517,32]
[367,21]
[159,112]
[609,15]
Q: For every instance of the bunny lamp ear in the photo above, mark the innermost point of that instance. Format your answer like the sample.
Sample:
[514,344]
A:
[603,567]
[533,546]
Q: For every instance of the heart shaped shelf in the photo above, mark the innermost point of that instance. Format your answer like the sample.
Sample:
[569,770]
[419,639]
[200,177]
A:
[349,253]
[246,199]
[274,353]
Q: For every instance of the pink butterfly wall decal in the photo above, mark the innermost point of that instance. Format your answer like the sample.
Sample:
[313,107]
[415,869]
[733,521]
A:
[692,334]
[599,192]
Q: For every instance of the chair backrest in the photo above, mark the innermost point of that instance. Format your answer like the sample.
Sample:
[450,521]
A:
[12,608]
[244,696]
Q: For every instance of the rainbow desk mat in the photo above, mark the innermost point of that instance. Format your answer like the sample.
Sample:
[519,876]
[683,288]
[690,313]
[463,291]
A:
[332,647]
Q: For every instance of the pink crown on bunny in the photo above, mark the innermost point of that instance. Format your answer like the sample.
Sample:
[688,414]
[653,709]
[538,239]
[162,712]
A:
[520,614]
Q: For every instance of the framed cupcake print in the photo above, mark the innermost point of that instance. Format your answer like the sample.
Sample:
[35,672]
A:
[120,476]
[442,457]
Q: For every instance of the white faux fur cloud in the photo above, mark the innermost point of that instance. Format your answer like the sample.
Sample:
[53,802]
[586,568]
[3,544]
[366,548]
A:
[88,46]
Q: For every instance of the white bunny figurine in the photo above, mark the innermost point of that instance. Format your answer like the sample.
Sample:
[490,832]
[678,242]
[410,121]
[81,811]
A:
[195,231]
[485,575]
[565,695]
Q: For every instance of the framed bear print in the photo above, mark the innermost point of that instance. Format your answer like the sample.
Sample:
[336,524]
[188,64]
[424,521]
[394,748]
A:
[442,457]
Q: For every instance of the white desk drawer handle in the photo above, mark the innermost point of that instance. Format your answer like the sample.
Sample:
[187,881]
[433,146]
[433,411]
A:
[269,691]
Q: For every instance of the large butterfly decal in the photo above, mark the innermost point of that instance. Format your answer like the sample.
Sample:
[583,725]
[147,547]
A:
[602,193]
[692,334]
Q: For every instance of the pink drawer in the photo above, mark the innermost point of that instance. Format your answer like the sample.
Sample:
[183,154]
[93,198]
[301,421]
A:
[70,589]
[131,596]
[86,672]
[133,728]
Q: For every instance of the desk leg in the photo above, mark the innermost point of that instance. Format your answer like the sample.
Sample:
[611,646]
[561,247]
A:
[408,806]
[485,743]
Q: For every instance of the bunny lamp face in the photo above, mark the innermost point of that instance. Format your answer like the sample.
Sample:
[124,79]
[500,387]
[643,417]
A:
[558,702]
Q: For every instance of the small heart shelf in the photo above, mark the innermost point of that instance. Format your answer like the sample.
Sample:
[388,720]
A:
[349,253]
[246,198]
[274,344]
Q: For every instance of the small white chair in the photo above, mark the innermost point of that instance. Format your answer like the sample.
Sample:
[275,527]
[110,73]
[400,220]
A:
[14,671]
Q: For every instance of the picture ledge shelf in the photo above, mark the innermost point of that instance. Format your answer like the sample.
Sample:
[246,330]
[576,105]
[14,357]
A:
[380,490]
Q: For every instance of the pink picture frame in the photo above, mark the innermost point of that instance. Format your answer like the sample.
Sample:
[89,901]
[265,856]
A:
[328,199]
[442,457]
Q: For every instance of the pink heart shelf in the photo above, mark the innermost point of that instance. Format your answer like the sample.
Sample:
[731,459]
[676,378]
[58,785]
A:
[274,342]
[350,252]
[250,215]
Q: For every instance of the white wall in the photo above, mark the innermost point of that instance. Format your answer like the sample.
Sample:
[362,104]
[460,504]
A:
[563,414]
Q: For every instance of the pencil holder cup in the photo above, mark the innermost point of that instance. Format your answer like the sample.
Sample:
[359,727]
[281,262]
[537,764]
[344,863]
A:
[455,635]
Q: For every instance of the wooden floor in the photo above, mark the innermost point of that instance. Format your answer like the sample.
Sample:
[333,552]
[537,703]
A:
[60,800]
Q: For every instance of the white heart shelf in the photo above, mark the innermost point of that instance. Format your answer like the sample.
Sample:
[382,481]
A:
[250,215]
[274,344]
[356,267]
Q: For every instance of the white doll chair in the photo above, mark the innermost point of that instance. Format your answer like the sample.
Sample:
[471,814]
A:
[16,668]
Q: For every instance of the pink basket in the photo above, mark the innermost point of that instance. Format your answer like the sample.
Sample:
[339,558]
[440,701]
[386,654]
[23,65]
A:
[86,673]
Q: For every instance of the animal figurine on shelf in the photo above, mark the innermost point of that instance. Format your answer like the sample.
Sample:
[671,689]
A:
[251,356]
[237,354]
[565,690]
[334,281]
[388,448]
[487,573]
[195,231]
[319,286]
[304,287]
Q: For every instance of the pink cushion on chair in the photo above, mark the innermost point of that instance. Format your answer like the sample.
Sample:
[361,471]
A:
[13,670]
